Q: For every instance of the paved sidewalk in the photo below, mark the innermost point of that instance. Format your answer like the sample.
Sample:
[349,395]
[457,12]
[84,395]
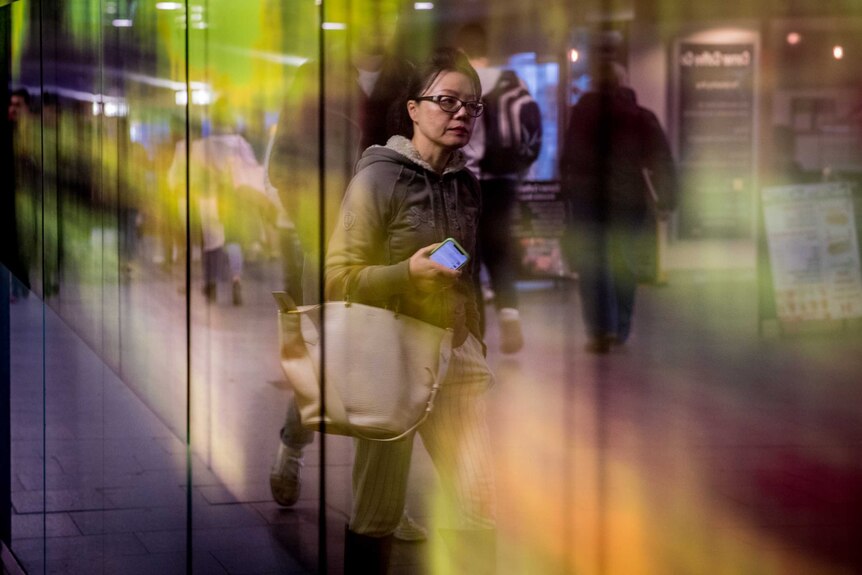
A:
[700,447]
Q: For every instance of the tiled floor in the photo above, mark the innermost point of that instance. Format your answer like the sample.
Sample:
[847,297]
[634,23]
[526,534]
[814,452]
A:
[700,447]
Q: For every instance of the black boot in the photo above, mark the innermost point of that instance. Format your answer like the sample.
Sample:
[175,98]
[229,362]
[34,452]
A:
[366,555]
[472,551]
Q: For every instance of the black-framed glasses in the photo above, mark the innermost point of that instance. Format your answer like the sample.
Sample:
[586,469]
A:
[451,104]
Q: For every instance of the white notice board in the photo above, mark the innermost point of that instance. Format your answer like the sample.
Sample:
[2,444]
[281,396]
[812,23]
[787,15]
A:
[813,251]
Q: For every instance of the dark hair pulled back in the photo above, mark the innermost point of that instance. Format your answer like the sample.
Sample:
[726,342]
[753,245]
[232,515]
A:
[423,77]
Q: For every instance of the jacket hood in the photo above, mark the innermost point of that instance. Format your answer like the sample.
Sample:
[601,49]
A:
[400,150]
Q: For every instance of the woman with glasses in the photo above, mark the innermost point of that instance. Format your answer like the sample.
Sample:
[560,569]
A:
[405,199]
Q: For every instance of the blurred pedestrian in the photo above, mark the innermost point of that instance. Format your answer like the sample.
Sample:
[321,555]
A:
[228,198]
[507,140]
[615,155]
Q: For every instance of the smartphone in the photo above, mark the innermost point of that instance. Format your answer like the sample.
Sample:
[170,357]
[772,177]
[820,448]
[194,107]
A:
[450,254]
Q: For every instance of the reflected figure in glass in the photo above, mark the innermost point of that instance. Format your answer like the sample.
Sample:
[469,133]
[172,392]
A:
[361,80]
[228,196]
[20,225]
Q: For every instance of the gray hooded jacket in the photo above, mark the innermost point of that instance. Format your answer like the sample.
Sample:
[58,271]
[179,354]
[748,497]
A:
[395,205]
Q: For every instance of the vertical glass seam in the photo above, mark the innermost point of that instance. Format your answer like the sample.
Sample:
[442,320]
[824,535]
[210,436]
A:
[321,168]
[188,273]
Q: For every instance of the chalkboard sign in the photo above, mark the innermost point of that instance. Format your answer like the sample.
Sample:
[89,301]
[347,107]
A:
[813,251]
[715,138]
[539,223]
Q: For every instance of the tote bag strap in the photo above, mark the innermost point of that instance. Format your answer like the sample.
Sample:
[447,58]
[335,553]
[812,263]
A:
[442,369]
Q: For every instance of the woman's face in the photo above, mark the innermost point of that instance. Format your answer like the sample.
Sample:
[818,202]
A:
[435,128]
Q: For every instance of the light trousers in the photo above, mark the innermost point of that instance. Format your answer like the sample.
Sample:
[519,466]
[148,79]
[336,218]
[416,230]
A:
[457,439]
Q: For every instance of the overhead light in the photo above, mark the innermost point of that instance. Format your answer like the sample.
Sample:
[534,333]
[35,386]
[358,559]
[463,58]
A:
[168,6]
[574,55]
[110,107]
[838,52]
[200,97]
[334,26]
[794,38]
[122,23]
[114,109]
[423,5]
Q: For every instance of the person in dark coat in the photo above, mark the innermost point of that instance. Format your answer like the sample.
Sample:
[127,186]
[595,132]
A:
[615,157]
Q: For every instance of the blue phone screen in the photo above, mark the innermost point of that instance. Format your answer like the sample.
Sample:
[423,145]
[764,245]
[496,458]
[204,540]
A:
[449,256]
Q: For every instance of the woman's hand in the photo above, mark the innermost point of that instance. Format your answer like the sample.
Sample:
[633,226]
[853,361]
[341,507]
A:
[429,276]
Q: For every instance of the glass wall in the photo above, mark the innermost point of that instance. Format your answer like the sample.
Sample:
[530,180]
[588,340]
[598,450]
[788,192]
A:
[169,165]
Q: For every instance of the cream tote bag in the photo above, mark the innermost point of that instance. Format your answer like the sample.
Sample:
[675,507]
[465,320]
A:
[382,369]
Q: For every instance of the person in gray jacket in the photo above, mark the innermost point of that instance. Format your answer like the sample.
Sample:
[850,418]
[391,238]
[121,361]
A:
[406,198]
